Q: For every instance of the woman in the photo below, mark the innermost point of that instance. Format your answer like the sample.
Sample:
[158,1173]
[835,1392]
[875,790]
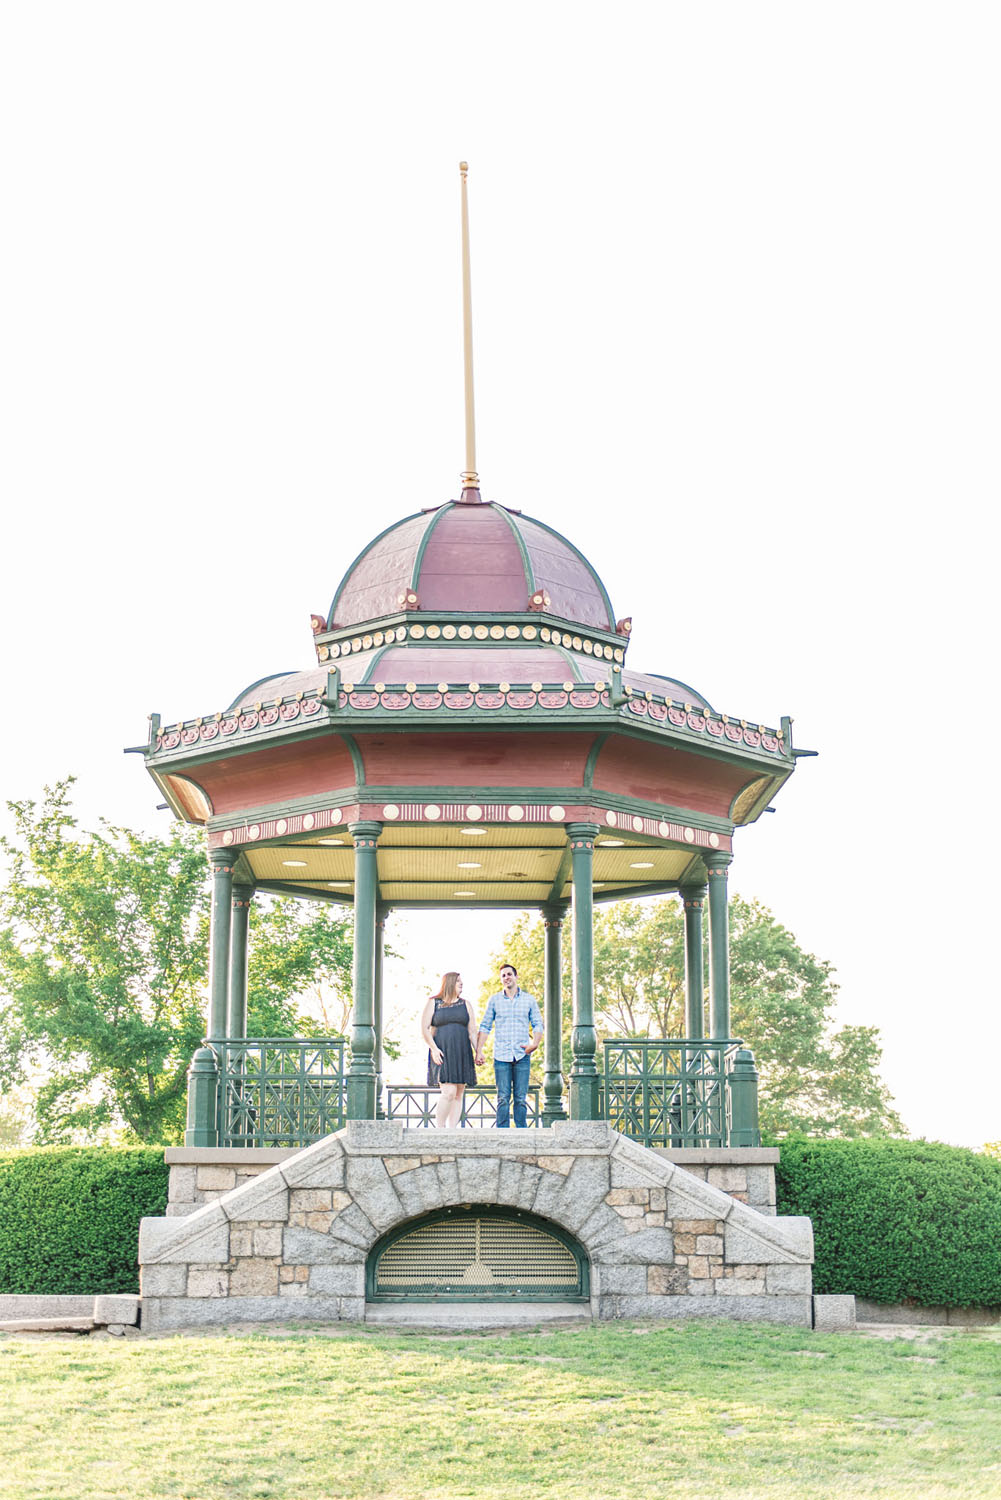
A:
[449,1028]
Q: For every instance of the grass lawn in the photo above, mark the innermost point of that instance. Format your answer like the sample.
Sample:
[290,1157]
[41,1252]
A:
[698,1410]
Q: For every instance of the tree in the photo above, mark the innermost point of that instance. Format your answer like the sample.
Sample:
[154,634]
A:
[815,1078]
[103,959]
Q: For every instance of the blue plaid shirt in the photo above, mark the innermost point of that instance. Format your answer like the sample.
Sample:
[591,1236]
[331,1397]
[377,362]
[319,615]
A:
[513,1018]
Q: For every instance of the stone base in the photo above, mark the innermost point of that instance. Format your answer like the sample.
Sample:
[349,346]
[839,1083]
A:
[833,1314]
[289,1238]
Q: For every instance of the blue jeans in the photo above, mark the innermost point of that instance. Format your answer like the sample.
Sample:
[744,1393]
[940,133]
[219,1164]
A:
[512,1075]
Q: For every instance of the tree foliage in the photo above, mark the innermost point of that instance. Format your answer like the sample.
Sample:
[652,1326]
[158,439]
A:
[103,962]
[815,1077]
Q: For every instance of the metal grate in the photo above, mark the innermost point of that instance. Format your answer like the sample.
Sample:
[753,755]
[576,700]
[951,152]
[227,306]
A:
[480,1255]
[279,1092]
[669,1092]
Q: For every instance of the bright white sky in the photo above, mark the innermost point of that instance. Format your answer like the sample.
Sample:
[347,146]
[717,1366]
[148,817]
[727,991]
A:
[737,322]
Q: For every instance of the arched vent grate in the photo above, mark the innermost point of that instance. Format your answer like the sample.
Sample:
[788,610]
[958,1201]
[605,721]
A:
[477,1254]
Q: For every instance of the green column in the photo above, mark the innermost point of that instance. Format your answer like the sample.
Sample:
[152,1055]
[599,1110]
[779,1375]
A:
[552,1080]
[693,897]
[222,861]
[743,1084]
[236,1028]
[381,913]
[716,864]
[585,1082]
[361,1072]
[203,1084]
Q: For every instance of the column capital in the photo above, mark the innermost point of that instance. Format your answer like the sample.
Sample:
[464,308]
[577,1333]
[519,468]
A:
[693,896]
[364,833]
[223,861]
[582,835]
[243,894]
[717,861]
[382,913]
[554,913]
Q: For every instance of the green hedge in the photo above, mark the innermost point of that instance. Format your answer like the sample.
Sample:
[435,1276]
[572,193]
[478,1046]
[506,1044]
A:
[69,1218]
[898,1221]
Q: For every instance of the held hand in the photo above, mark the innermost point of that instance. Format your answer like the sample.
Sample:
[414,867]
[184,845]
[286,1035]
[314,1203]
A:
[479,1059]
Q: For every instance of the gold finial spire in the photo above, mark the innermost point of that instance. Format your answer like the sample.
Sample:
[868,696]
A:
[470,478]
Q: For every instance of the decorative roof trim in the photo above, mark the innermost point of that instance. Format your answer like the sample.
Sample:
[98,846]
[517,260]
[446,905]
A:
[526,560]
[422,545]
[579,554]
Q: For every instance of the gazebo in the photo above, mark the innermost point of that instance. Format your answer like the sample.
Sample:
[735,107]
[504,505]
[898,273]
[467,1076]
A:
[470,736]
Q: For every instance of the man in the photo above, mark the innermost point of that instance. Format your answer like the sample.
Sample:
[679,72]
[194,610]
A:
[519,1033]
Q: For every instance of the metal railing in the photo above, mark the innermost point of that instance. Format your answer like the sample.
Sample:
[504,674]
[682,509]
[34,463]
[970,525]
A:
[666,1092]
[279,1092]
[413,1105]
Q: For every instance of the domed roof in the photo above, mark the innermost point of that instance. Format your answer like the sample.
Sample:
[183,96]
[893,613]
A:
[471,557]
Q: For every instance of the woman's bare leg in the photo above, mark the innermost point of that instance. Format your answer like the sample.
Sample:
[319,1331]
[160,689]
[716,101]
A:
[455,1114]
[446,1102]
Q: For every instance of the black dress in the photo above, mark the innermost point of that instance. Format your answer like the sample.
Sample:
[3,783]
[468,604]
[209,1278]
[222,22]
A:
[451,1034]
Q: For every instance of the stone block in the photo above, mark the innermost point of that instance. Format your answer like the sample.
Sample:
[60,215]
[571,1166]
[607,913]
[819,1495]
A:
[595,1134]
[340,1281]
[181,1188]
[617,1196]
[379,1135]
[448,1182]
[397,1164]
[709,1244]
[355,1227]
[371,1186]
[761,1187]
[479,1178]
[306,1247]
[162,1281]
[688,1198]
[833,1314]
[586,1186]
[262,1197]
[509,1184]
[728,1179]
[619,1279]
[740,1286]
[202,1236]
[418,1191]
[754,1238]
[560,1164]
[782,1279]
[629,1210]
[205,1281]
[222,1179]
[293,1289]
[602,1230]
[351,1309]
[118,1308]
[308,1200]
[658,1199]
[698,1267]
[318,1166]
[898,1312]
[652,1246]
[181,1210]
[663,1281]
[241,1240]
[253,1278]
[193,1312]
[791,1310]
[267,1241]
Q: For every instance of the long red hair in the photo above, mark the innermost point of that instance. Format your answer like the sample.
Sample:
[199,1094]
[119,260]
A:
[446,994]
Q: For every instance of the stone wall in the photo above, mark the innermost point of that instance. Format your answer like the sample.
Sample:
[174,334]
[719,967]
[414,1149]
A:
[202,1174]
[292,1241]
